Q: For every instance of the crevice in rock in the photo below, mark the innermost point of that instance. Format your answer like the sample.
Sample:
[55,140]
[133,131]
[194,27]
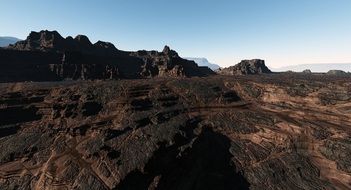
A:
[91,108]
[12,115]
[9,130]
[141,104]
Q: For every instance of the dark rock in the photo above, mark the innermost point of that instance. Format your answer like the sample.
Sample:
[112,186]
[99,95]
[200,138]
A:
[338,150]
[307,71]
[47,56]
[246,67]
[18,114]
[168,63]
[105,48]
[41,41]
[167,51]
[91,108]
[337,72]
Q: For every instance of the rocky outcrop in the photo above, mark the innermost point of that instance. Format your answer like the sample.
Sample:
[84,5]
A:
[337,72]
[168,63]
[47,56]
[246,67]
[238,132]
[52,66]
[52,41]
[307,71]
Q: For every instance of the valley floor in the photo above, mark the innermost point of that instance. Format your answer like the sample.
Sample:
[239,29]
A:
[278,131]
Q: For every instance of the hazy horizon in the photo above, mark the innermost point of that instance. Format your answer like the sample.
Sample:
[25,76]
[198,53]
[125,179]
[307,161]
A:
[281,32]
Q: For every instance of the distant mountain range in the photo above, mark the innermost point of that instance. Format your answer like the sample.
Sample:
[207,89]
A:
[321,67]
[203,62]
[5,41]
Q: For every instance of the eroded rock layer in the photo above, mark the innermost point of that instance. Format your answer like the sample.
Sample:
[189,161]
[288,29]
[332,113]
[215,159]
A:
[247,132]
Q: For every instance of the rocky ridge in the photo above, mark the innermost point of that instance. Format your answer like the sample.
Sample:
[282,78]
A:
[47,56]
[337,72]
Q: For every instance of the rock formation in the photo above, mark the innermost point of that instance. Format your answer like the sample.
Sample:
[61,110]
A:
[337,72]
[307,71]
[239,132]
[52,41]
[246,67]
[47,56]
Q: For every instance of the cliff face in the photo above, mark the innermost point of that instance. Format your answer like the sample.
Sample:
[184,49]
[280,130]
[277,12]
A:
[168,63]
[52,41]
[55,66]
[238,132]
[246,67]
[46,56]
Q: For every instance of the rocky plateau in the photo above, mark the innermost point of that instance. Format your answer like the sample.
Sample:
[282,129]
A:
[279,131]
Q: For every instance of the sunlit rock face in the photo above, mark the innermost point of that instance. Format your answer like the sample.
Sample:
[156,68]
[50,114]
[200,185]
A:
[221,132]
[246,67]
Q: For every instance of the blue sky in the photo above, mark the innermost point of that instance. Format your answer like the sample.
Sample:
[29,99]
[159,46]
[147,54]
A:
[283,32]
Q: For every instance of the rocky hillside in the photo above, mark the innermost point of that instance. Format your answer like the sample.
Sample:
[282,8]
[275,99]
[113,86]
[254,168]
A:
[246,67]
[240,132]
[47,56]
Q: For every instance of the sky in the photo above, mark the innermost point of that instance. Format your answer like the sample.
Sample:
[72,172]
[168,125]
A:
[282,32]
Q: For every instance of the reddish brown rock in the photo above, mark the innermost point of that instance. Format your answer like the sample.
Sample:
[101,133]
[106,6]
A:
[237,132]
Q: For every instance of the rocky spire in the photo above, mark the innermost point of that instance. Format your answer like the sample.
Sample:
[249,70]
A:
[168,51]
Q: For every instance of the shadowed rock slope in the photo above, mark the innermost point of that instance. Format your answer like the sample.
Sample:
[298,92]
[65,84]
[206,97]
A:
[242,132]
[47,56]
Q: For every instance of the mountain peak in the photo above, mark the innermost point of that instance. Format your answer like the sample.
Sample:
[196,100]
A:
[168,51]
[106,45]
[82,39]
[44,35]
[52,41]
[201,61]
